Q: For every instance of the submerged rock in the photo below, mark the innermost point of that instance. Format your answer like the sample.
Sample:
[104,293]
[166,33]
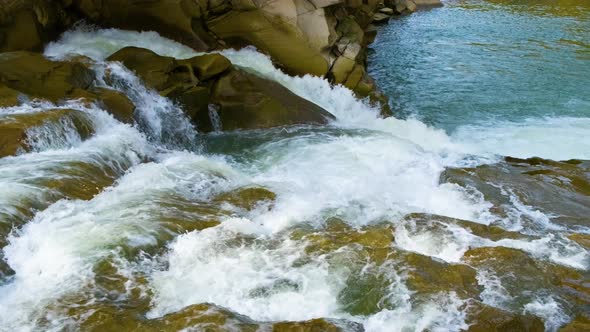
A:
[246,198]
[375,266]
[317,325]
[426,275]
[370,241]
[484,318]
[430,221]
[581,239]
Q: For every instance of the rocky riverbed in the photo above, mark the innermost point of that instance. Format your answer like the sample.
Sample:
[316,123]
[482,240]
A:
[231,166]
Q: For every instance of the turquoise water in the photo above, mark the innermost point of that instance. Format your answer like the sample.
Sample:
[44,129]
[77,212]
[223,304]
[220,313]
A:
[470,66]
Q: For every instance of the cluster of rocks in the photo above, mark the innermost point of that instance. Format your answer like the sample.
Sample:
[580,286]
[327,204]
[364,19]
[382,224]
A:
[327,38]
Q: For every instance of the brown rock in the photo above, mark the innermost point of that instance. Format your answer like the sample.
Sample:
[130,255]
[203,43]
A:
[246,101]
[246,198]
[36,76]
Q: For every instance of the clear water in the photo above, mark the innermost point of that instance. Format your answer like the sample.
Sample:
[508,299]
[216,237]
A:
[512,76]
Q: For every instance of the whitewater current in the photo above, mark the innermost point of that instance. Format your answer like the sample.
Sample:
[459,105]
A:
[360,168]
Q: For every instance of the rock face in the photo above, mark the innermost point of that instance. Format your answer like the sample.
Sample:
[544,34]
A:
[246,101]
[320,37]
[218,96]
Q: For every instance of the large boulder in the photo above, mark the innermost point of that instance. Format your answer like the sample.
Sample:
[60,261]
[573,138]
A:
[273,29]
[247,101]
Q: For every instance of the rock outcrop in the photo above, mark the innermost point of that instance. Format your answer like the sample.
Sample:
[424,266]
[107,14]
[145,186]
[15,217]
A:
[218,96]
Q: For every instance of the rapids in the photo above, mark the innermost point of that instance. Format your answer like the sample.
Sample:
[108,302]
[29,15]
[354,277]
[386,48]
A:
[149,236]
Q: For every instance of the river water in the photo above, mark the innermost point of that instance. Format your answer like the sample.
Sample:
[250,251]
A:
[136,230]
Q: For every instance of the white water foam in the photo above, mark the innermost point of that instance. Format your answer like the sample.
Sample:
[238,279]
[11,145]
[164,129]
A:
[557,138]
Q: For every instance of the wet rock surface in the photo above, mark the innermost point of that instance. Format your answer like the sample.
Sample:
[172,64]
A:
[560,188]
[483,318]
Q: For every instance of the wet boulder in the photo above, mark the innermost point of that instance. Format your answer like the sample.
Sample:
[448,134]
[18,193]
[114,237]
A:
[274,34]
[521,276]
[36,76]
[18,132]
[247,101]
[116,103]
[187,82]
